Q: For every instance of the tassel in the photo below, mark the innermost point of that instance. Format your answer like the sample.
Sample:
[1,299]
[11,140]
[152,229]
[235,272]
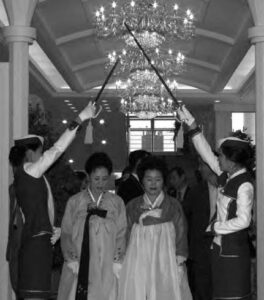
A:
[88,139]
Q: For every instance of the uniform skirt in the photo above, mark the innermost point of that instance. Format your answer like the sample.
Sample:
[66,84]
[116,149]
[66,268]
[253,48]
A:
[34,268]
[230,275]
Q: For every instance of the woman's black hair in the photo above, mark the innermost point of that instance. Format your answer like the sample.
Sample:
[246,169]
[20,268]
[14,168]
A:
[17,153]
[243,156]
[152,163]
[98,160]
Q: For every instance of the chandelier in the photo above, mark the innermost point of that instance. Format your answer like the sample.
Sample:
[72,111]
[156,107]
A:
[155,24]
[152,21]
[146,99]
[132,60]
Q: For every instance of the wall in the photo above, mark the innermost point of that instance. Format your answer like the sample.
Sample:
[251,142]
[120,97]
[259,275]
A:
[113,131]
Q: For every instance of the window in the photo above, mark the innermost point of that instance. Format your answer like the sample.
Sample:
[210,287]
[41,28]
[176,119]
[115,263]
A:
[154,135]
[244,122]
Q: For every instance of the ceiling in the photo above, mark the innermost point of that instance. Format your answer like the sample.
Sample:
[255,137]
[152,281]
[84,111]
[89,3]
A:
[66,34]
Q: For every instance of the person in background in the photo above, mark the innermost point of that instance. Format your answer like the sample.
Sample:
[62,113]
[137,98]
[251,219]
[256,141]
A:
[153,266]
[93,237]
[82,177]
[35,200]
[131,187]
[125,175]
[197,207]
[230,227]
[177,184]
[14,237]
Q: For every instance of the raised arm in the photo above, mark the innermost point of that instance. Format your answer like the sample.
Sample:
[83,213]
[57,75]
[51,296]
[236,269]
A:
[200,143]
[38,168]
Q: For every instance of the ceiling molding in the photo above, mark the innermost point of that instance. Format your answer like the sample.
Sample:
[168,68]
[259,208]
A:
[234,55]
[216,36]
[203,64]
[248,85]
[41,79]
[88,64]
[74,36]
[193,83]
[45,39]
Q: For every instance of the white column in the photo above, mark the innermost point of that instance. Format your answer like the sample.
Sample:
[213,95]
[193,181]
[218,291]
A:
[14,86]
[6,135]
[18,36]
[256,34]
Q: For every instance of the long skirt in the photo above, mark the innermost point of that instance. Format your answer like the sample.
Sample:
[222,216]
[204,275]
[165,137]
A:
[230,275]
[35,267]
[150,270]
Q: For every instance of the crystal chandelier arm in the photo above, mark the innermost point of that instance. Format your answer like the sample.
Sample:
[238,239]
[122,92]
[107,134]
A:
[106,81]
[153,67]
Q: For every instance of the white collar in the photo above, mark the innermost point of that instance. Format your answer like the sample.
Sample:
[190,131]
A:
[92,197]
[241,171]
[157,201]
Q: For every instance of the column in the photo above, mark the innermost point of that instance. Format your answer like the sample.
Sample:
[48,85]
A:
[18,36]
[256,34]
[5,125]
[14,86]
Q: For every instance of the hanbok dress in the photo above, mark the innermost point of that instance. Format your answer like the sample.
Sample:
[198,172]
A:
[106,244]
[156,235]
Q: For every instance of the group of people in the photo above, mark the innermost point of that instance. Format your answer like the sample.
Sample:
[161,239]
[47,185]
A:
[133,244]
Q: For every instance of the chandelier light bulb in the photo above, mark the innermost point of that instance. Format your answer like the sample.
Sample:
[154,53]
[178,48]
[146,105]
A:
[170,51]
[102,9]
[132,3]
[97,13]
[155,4]
[114,4]
[176,7]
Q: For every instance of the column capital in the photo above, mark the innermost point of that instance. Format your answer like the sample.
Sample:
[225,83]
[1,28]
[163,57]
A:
[19,34]
[256,34]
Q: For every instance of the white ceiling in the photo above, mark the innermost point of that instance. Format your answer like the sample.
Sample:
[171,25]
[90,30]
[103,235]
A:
[70,59]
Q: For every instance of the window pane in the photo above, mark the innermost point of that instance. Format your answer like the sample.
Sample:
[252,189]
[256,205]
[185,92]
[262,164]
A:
[140,124]
[140,139]
[244,122]
[163,141]
[164,124]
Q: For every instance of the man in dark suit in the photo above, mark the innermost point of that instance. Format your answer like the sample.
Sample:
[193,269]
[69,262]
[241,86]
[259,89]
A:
[131,188]
[199,206]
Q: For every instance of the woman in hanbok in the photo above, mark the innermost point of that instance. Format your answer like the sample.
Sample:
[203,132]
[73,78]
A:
[153,267]
[93,237]
[230,227]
